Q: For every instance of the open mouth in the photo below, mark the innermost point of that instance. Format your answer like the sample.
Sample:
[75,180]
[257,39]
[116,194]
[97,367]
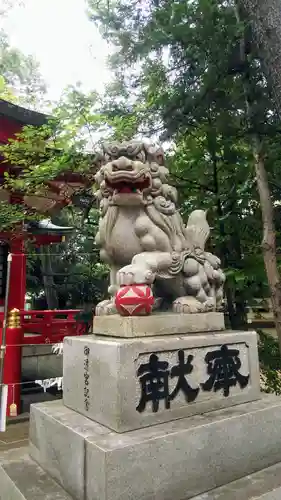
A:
[129,187]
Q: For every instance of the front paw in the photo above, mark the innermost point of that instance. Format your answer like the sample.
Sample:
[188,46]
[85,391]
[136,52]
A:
[135,275]
[105,308]
[209,305]
[187,305]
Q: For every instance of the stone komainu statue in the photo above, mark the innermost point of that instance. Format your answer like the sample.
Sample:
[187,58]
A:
[142,236]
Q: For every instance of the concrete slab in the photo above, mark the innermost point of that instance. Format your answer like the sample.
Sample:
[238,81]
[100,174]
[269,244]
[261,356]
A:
[176,460]
[15,436]
[108,379]
[157,324]
[57,443]
[22,479]
[272,495]
[262,485]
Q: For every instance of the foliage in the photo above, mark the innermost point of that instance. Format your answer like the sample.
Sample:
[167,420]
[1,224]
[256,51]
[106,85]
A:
[21,74]
[20,83]
[79,278]
[6,92]
[68,142]
[12,216]
[270,363]
[180,77]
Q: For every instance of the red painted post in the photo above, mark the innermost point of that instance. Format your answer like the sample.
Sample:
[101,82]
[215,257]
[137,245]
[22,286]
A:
[18,275]
[14,331]
[12,362]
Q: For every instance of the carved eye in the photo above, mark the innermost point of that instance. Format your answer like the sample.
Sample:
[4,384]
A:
[140,156]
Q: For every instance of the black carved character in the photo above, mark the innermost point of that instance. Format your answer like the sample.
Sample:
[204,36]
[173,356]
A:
[223,368]
[154,381]
[181,370]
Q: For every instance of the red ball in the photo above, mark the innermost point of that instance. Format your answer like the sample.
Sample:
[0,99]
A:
[134,300]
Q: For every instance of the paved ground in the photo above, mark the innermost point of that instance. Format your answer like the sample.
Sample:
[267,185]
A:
[16,436]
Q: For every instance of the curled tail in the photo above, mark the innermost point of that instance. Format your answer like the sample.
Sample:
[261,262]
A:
[197,230]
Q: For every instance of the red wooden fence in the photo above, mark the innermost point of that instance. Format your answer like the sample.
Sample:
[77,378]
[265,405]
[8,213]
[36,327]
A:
[33,327]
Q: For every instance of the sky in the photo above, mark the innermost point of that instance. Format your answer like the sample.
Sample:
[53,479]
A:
[59,35]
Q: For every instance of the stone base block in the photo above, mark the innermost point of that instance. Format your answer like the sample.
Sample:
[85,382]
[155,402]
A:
[157,324]
[128,384]
[176,460]
[22,479]
[57,442]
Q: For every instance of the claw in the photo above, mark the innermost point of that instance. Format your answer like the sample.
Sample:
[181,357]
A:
[105,307]
[135,275]
[187,305]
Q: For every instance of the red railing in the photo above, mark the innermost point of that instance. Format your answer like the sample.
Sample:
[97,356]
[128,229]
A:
[34,327]
[50,327]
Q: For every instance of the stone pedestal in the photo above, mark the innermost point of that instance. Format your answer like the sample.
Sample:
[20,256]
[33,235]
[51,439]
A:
[162,417]
[157,324]
[74,458]
[105,378]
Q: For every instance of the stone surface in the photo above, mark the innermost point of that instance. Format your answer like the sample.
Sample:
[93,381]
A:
[157,324]
[38,362]
[15,436]
[22,479]
[103,384]
[272,495]
[262,485]
[41,366]
[57,437]
[176,460]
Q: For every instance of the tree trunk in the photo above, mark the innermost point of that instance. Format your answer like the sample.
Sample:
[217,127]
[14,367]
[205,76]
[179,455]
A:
[269,237]
[234,313]
[264,17]
[265,20]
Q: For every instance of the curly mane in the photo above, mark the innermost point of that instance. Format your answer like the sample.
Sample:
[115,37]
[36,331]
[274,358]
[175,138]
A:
[161,199]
